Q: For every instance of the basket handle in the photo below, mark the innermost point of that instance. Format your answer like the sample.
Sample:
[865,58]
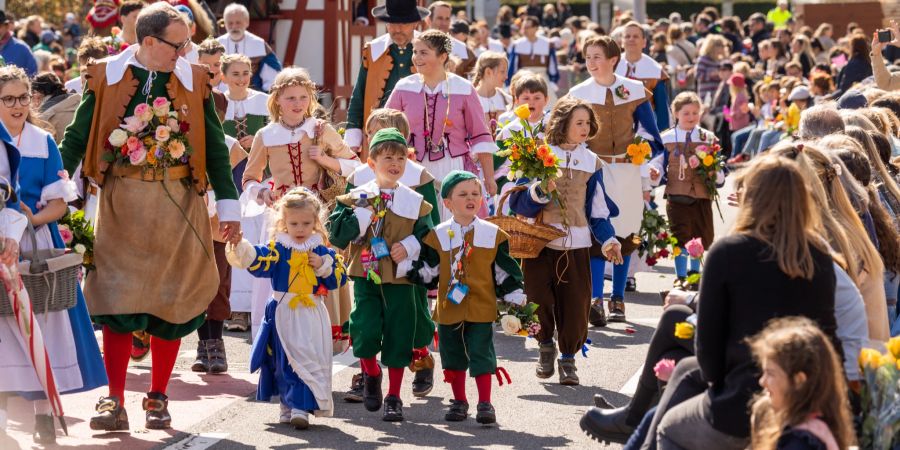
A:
[538,219]
[37,262]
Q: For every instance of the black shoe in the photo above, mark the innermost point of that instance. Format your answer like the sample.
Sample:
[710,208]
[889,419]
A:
[459,411]
[355,394]
[218,361]
[598,315]
[111,416]
[678,283]
[485,414]
[606,425]
[393,409]
[156,406]
[616,309]
[601,402]
[423,382]
[201,364]
[630,284]
[44,429]
[372,392]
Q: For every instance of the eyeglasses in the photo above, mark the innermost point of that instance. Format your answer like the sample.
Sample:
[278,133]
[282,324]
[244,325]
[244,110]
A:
[177,47]
[10,101]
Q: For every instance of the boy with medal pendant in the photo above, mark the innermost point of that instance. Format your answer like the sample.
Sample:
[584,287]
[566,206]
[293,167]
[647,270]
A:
[468,259]
[382,222]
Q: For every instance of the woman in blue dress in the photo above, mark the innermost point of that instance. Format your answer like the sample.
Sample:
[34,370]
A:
[43,191]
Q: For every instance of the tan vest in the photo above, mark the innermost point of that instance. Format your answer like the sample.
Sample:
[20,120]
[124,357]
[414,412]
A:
[692,185]
[396,228]
[480,305]
[112,102]
[572,191]
[616,126]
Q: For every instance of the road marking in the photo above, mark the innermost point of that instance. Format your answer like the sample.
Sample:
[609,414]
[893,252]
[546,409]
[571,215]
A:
[631,385]
[200,441]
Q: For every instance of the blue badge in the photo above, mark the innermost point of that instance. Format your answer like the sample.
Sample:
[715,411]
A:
[380,247]
[457,293]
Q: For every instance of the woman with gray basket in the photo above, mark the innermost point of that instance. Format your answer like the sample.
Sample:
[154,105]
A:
[50,277]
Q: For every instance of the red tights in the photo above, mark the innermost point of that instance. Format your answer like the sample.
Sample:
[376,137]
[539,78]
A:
[117,352]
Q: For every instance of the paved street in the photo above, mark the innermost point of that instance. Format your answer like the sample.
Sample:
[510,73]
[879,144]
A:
[217,412]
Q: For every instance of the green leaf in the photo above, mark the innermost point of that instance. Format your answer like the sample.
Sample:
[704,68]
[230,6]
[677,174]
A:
[109,157]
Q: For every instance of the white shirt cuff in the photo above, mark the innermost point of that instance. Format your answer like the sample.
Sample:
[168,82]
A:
[353,137]
[348,166]
[412,246]
[229,210]
[516,297]
[325,270]
[538,198]
[610,241]
[241,255]
[483,147]
[403,268]
[364,217]
[12,224]
[60,189]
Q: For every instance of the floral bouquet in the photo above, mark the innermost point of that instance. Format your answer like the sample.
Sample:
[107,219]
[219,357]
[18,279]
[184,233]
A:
[154,138]
[114,42]
[529,156]
[520,320]
[880,397]
[78,235]
[707,162]
[638,152]
[656,239]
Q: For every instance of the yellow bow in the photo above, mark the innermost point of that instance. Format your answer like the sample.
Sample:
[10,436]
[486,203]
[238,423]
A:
[303,280]
[267,260]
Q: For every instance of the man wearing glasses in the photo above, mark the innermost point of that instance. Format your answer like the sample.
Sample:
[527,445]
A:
[153,250]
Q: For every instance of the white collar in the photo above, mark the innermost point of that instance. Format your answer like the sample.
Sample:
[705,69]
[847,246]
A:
[33,142]
[460,49]
[645,69]
[275,134]
[594,93]
[540,47]
[675,134]
[457,85]
[312,242]
[256,103]
[581,158]
[117,64]
[412,175]
[496,102]
[379,45]
[485,234]
[252,45]
[406,204]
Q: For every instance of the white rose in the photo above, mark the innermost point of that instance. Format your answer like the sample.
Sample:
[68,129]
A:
[80,249]
[519,174]
[118,137]
[510,324]
[701,154]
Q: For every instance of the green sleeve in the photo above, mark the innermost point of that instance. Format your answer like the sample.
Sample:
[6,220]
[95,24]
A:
[423,226]
[343,227]
[506,263]
[355,110]
[74,143]
[428,259]
[427,190]
[218,155]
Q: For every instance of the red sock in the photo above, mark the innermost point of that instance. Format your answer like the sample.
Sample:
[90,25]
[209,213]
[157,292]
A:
[483,382]
[458,384]
[395,379]
[116,353]
[163,354]
[370,366]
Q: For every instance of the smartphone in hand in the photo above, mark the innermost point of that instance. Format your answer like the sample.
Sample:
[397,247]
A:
[885,35]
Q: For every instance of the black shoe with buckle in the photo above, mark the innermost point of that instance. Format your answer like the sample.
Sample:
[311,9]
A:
[486,414]
[44,429]
[616,309]
[423,382]
[111,416]
[459,411]
[597,316]
[156,406]
[393,409]
[372,398]
[355,394]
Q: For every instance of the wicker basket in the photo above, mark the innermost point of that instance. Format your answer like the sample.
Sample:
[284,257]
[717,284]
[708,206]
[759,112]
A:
[331,185]
[526,239]
[50,276]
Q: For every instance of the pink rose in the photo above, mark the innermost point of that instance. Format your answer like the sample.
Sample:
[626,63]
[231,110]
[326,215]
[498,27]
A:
[162,133]
[66,234]
[172,123]
[143,112]
[161,106]
[134,124]
[694,248]
[176,149]
[132,143]
[663,369]
[702,148]
[694,162]
[138,156]
[63,175]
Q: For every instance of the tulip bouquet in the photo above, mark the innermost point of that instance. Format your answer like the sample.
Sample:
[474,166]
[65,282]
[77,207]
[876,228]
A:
[881,397]
[153,138]
[694,249]
[708,163]
[657,241]
[78,235]
[519,320]
[529,156]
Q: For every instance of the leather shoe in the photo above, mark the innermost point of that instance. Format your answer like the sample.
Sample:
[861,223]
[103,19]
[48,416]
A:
[606,425]
[393,409]
[372,398]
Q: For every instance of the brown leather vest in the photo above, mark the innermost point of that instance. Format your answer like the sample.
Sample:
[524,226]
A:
[378,71]
[691,185]
[616,126]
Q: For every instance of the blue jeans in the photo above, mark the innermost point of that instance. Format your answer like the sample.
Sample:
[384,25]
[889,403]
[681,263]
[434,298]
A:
[739,139]
[620,274]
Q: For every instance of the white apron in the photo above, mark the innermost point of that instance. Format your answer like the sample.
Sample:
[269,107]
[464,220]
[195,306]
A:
[622,182]
[309,347]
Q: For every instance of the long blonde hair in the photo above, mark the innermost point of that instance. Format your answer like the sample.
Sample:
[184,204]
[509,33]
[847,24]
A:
[777,209]
[797,346]
[487,60]
[299,198]
[292,76]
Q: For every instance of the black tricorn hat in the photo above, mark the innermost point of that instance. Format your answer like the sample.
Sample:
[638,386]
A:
[400,11]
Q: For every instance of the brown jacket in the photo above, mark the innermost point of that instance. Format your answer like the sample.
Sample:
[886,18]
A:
[61,114]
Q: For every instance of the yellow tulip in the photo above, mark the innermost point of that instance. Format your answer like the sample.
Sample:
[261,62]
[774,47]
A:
[893,346]
[637,160]
[523,112]
[676,251]
[870,358]
[684,330]
[631,150]
[709,160]
[887,360]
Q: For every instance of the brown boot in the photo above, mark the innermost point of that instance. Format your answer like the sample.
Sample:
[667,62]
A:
[201,364]
[546,361]
[567,369]
[111,416]
[616,309]
[218,362]
[157,407]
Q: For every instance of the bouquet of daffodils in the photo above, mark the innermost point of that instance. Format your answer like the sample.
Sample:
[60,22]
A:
[881,397]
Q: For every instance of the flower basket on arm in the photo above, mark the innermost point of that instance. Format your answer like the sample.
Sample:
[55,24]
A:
[526,239]
[331,184]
